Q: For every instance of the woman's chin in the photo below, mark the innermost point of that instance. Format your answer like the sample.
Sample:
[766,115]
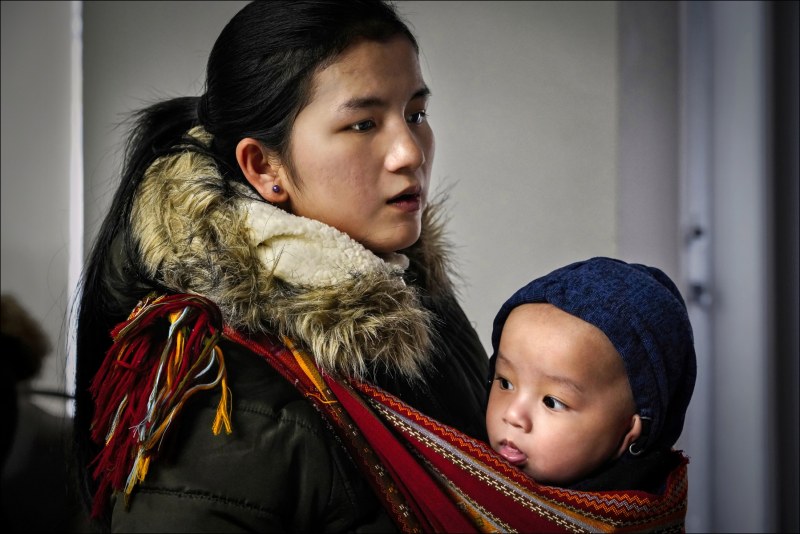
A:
[394,243]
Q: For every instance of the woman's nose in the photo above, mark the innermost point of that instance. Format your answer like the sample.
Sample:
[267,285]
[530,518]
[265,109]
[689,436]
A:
[406,151]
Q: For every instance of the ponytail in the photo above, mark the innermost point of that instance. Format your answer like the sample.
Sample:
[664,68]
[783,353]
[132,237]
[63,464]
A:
[113,281]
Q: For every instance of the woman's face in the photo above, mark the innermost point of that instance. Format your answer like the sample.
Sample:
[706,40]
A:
[560,405]
[362,148]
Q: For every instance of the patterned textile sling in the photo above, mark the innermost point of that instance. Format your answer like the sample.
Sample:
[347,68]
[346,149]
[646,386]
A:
[429,477]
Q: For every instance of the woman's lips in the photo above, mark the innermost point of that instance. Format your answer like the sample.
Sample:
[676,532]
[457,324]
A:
[411,202]
[511,453]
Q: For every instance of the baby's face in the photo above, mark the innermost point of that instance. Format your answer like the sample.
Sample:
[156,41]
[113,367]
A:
[560,404]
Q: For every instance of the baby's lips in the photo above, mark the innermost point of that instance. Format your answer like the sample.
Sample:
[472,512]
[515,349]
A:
[512,454]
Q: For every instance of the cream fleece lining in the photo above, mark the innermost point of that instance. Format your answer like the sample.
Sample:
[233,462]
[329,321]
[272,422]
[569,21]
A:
[307,252]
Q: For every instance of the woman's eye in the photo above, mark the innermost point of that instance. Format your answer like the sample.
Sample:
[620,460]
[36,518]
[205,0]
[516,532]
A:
[418,117]
[553,403]
[504,384]
[363,126]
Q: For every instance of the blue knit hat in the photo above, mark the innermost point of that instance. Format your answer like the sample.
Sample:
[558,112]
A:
[643,314]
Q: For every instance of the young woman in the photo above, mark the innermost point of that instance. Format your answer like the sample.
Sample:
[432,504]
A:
[285,213]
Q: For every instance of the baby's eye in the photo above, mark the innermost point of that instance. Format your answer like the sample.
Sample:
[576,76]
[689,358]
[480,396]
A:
[553,403]
[418,117]
[363,126]
[504,384]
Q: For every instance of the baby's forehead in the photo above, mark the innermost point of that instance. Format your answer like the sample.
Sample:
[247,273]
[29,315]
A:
[543,316]
[559,340]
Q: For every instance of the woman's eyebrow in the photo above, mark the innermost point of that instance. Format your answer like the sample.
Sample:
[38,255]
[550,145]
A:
[363,102]
[422,92]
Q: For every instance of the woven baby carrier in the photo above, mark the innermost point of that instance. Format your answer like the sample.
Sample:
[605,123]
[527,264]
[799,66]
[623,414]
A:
[429,477]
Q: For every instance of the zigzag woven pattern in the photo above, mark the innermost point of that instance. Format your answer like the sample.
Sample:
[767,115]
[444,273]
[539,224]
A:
[493,478]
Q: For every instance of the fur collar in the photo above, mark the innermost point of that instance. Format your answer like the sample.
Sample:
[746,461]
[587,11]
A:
[271,271]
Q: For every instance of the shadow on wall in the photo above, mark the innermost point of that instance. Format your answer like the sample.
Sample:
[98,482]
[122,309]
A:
[38,494]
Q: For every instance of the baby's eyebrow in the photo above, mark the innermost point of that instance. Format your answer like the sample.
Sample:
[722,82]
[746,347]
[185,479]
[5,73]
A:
[501,358]
[566,382]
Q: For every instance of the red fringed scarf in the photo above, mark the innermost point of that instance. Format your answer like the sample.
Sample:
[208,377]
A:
[429,477]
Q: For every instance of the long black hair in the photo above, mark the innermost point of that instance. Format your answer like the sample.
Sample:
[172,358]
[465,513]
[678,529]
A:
[258,78]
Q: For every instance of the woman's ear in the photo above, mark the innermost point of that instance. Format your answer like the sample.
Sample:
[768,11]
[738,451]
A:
[634,431]
[261,169]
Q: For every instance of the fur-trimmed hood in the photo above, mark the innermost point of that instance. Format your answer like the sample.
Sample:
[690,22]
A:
[271,271]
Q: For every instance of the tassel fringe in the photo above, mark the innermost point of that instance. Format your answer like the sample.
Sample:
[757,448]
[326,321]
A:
[164,353]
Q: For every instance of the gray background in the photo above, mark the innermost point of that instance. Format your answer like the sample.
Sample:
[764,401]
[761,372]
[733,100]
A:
[564,130]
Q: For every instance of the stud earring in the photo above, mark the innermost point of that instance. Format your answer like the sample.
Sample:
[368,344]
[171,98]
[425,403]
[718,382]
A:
[276,188]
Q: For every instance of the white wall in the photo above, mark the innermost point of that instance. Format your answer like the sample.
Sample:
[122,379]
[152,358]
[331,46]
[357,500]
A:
[36,139]
[742,266]
[524,109]
[648,136]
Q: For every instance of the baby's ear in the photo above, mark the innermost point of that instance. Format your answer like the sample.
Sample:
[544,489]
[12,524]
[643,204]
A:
[632,435]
